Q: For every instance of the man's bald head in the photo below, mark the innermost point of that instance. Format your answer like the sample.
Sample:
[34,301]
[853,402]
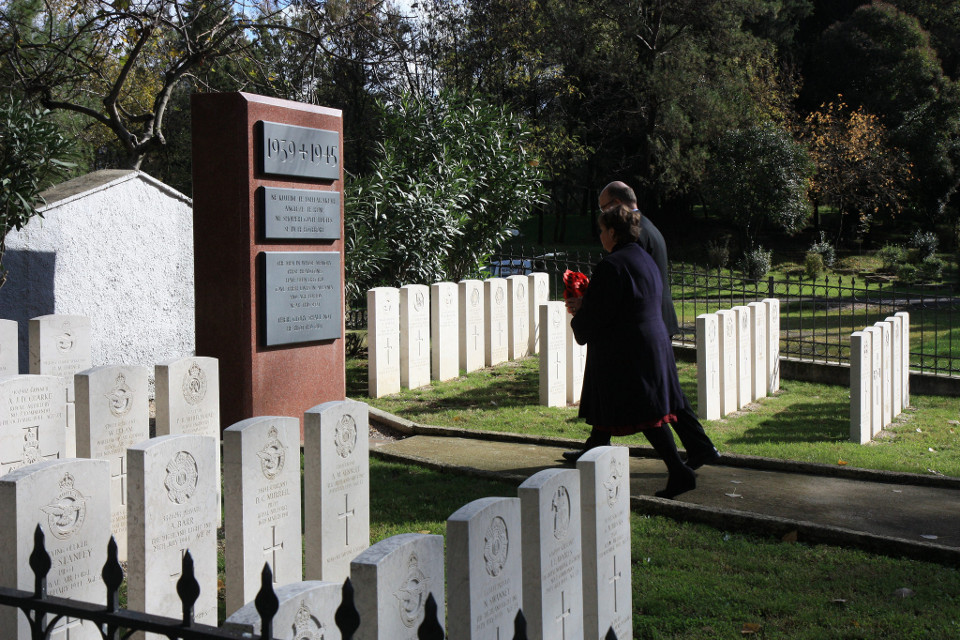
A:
[617,193]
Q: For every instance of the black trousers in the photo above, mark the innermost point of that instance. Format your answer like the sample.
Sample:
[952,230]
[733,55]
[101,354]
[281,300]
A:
[687,427]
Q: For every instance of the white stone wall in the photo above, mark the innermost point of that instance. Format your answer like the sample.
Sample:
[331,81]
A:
[116,246]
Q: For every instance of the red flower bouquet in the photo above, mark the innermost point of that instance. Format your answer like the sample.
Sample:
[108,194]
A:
[574,284]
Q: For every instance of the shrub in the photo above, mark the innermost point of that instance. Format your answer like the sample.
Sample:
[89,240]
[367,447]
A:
[907,273]
[930,269]
[892,256]
[925,242]
[825,250]
[718,252]
[813,265]
[756,263]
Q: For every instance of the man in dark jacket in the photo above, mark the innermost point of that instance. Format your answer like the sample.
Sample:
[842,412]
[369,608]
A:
[700,449]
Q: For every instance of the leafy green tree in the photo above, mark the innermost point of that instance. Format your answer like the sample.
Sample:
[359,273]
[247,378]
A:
[33,152]
[759,177]
[452,176]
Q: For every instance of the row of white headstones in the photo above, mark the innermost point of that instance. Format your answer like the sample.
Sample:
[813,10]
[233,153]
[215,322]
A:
[560,551]
[879,375]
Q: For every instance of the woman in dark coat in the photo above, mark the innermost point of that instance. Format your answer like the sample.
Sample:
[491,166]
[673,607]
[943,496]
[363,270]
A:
[630,379]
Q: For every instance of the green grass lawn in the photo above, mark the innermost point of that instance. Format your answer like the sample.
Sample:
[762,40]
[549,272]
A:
[804,421]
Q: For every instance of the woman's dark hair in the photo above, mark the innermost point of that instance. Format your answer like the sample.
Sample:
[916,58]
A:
[624,221]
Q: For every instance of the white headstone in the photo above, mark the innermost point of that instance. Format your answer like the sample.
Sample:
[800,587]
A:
[553,354]
[70,501]
[9,348]
[905,350]
[472,346]
[576,361]
[172,508]
[414,336]
[496,331]
[518,311]
[392,581]
[306,612]
[336,481]
[605,504]
[538,287]
[484,571]
[876,377]
[32,409]
[552,557]
[758,346]
[113,414]
[744,358]
[861,384]
[727,328]
[708,367]
[773,344]
[444,327]
[896,363]
[261,479]
[886,366]
[60,346]
[188,401]
[383,341]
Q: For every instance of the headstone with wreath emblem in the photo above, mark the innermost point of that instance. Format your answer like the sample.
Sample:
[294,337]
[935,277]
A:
[9,348]
[538,287]
[495,327]
[336,481]
[605,504]
[484,569]
[171,509]
[113,414]
[383,341]
[69,500]
[552,557]
[261,479]
[59,345]
[472,345]
[518,312]
[32,410]
[444,329]
[188,400]
[393,580]
[414,336]
[553,354]
[306,612]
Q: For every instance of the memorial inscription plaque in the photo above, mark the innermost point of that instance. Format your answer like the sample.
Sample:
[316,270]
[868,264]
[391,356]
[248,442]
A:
[289,150]
[301,214]
[302,296]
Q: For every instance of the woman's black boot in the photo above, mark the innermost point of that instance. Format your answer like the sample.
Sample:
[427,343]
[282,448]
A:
[597,439]
[681,478]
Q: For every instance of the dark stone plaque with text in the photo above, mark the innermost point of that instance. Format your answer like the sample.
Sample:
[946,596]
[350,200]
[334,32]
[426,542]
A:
[301,214]
[302,296]
[289,150]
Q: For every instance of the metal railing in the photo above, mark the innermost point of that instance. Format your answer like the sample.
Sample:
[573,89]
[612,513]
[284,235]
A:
[816,316]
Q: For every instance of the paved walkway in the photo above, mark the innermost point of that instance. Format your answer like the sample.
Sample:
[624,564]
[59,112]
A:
[895,513]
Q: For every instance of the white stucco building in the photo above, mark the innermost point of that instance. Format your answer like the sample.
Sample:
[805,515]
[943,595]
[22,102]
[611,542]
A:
[116,246]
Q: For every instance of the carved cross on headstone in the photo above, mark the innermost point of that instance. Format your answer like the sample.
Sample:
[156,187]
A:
[420,342]
[500,333]
[179,572]
[272,550]
[613,580]
[559,363]
[63,631]
[388,348]
[122,477]
[345,516]
[476,337]
[564,613]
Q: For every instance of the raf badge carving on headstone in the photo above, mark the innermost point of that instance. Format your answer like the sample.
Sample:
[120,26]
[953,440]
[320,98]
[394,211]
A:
[412,595]
[612,484]
[272,455]
[65,341]
[120,398]
[66,513]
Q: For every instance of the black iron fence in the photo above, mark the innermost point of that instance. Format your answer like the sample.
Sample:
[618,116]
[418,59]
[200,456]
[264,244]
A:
[816,316]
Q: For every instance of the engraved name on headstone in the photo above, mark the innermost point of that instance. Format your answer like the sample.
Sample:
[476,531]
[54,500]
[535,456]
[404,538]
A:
[336,480]
[495,320]
[414,336]
[113,414]
[553,354]
[708,367]
[444,329]
[32,409]
[300,214]
[383,341]
[472,345]
[171,509]
[393,580]
[302,301]
[261,479]
[70,501]
[552,557]
[289,150]
[484,569]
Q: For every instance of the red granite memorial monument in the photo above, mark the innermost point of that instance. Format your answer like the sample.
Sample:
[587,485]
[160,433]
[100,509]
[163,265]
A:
[268,237]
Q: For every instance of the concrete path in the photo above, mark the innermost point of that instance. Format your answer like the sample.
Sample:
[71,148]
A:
[895,513]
